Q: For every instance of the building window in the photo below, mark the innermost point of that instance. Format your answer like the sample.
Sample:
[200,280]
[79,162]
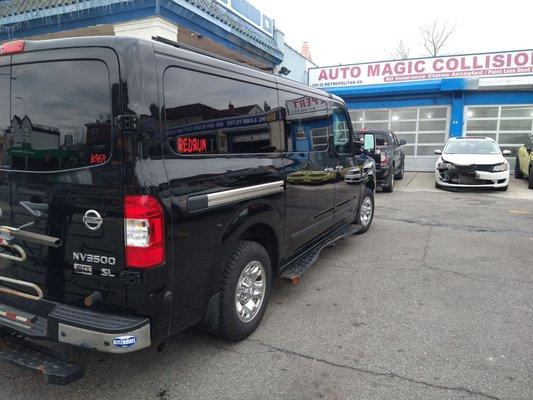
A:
[509,125]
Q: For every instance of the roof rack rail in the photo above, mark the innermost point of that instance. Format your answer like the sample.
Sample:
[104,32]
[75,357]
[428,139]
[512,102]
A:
[203,52]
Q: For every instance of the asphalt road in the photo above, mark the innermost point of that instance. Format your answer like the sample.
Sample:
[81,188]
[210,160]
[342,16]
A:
[434,302]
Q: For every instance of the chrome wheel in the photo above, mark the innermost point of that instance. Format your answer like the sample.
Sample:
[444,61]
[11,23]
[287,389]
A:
[365,215]
[250,291]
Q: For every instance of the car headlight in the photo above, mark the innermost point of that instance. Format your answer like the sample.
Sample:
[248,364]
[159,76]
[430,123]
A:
[500,167]
[445,165]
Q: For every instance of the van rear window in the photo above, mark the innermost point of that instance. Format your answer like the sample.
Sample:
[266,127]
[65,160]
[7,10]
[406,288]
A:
[54,115]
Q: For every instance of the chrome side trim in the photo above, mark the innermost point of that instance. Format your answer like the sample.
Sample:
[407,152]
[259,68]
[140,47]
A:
[38,291]
[101,341]
[245,193]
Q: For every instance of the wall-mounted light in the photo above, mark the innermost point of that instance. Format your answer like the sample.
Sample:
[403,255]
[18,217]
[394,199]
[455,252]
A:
[284,71]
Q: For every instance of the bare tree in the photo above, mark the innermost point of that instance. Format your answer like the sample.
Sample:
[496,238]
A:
[435,36]
[401,52]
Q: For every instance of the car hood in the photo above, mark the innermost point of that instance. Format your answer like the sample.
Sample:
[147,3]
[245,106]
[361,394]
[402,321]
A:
[470,159]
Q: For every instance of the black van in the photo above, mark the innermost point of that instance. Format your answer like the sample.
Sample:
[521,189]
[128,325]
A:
[146,188]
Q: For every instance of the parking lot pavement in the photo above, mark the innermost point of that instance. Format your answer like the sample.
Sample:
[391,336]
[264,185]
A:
[434,302]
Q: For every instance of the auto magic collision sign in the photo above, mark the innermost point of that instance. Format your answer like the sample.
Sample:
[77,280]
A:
[474,65]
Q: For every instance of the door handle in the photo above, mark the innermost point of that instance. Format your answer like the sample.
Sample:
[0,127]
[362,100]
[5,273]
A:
[328,170]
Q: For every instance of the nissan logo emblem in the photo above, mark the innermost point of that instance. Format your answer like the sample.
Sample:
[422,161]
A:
[92,220]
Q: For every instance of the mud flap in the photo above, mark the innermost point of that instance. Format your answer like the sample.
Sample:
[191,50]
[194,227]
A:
[54,369]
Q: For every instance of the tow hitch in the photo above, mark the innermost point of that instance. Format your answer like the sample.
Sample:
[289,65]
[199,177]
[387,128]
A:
[55,369]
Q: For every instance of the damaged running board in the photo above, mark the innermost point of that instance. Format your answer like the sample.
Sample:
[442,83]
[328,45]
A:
[55,370]
[295,269]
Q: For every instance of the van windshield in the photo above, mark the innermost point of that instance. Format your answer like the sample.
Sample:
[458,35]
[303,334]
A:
[54,115]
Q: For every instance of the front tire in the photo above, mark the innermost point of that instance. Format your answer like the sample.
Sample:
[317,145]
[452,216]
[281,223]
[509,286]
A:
[530,178]
[517,172]
[503,189]
[244,290]
[365,214]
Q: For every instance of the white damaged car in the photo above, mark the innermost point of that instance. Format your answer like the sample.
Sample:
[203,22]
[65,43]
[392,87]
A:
[470,162]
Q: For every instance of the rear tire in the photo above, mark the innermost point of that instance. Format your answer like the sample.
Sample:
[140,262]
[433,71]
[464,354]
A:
[365,215]
[244,291]
[399,175]
[388,187]
[517,172]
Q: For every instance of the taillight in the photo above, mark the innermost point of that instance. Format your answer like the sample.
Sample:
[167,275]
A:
[383,160]
[144,231]
[12,47]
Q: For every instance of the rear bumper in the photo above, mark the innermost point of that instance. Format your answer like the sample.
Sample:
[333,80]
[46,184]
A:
[79,327]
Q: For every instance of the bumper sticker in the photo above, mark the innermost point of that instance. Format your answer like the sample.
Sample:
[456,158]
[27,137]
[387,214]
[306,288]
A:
[124,341]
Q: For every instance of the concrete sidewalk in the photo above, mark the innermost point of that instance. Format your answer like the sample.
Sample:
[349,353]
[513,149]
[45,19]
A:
[425,181]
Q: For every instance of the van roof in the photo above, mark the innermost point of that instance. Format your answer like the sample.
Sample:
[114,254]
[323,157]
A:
[174,51]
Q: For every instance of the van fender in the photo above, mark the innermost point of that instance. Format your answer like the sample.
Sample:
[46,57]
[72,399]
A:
[255,213]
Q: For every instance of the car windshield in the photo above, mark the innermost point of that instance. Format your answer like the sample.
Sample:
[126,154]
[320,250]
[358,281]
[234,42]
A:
[471,147]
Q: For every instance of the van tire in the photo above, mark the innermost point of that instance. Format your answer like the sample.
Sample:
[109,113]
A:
[367,193]
[244,254]
[517,172]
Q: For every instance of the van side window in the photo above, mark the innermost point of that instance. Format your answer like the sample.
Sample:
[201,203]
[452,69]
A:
[209,114]
[60,115]
[340,131]
[306,123]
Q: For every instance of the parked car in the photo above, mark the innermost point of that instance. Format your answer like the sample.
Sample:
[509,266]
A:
[389,157]
[524,162]
[472,162]
[149,188]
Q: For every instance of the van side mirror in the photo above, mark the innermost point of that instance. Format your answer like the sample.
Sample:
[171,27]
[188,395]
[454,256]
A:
[369,144]
[506,152]
[403,142]
[438,152]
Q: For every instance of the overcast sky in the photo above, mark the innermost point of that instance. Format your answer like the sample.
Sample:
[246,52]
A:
[350,31]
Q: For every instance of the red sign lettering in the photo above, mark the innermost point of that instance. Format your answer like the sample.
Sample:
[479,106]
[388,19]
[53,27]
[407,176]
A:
[98,158]
[190,145]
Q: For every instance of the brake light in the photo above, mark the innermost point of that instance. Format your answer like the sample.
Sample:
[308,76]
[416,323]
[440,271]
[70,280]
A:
[144,231]
[12,47]
[383,159]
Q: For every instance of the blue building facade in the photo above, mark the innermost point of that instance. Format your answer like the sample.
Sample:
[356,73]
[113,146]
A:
[427,103]
[232,28]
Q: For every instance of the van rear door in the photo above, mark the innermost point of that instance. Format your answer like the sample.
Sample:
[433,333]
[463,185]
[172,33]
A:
[59,152]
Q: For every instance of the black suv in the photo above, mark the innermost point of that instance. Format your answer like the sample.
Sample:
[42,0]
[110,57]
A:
[389,156]
[146,188]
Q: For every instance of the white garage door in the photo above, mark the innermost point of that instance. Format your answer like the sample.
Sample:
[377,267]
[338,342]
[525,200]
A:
[424,129]
[510,126]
